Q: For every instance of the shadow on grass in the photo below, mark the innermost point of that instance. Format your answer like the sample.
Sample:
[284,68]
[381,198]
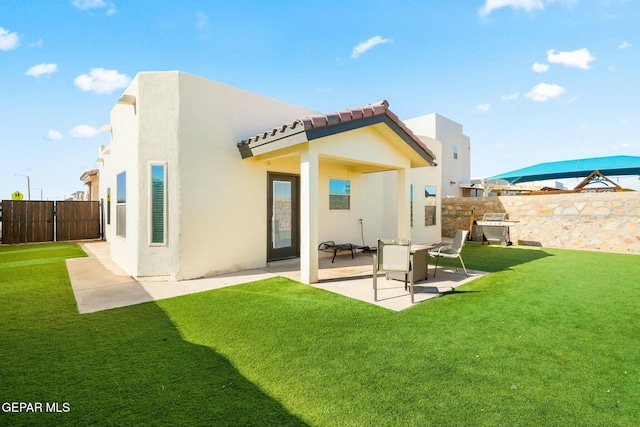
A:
[128,366]
[493,258]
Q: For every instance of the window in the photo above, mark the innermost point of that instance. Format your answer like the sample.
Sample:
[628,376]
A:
[121,205]
[339,194]
[109,205]
[455,151]
[158,203]
[410,205]
[429,205]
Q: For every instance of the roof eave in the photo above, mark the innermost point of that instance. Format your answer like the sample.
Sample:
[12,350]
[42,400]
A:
[315,127]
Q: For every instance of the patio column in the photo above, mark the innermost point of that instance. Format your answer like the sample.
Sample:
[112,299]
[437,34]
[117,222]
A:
[309,215]
[404,228]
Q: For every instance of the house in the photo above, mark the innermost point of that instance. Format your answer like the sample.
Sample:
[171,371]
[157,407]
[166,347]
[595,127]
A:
[78,196]
[90,179]
[201,178]
[454,150]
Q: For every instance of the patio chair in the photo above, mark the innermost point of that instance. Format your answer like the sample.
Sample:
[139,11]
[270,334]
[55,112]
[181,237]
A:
[330,246]
[393,256]
[453,251]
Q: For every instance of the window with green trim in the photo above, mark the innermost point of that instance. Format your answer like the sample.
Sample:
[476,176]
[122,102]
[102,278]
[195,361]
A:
[158,203]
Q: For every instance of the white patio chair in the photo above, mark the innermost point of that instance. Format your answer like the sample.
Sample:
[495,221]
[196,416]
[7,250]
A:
[453,251]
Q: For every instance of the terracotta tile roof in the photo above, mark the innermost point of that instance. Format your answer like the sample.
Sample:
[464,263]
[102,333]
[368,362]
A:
[89,174]
[317,121]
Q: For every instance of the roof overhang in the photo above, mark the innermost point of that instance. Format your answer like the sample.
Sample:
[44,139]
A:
[310,128]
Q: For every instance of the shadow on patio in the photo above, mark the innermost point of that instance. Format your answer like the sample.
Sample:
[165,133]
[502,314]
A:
[354,278]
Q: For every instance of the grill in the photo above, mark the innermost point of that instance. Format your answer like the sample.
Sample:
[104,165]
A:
[495,228]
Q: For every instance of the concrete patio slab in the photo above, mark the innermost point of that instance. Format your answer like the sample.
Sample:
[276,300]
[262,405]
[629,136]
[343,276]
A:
[99,284]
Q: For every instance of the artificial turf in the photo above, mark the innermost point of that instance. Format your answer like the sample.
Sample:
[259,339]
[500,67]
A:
[550,337]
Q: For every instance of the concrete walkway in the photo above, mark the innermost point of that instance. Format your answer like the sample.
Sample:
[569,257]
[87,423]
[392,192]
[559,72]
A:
[99,284]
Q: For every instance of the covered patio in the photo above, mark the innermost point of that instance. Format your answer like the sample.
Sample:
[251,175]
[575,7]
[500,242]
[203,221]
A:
[367,148]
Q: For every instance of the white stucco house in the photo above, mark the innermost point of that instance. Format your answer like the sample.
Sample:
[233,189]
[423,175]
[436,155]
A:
[454,150]
[201,178]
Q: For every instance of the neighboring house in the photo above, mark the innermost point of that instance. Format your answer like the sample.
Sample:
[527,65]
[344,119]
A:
[455,151]
[90,179]
[78,196]
[201,178]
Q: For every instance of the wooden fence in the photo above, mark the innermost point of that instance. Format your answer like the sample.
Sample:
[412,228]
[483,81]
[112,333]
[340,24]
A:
[47,221]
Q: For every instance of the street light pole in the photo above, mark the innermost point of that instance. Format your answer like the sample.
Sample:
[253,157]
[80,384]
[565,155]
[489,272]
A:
[28,185]
[40,192]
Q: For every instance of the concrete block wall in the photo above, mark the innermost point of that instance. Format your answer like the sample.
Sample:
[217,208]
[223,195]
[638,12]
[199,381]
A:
[590,221]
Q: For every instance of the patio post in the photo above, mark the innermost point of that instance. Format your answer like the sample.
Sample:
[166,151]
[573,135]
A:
[404,228]
[309,215]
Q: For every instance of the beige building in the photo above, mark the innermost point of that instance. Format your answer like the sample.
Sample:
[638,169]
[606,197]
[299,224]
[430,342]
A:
[90,179]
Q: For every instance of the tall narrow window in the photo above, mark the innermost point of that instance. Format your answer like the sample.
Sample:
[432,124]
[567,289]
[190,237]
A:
[411,205]
[455,151]
[121,205]
[429,205]
[339,194]
[108,205]
[158,206]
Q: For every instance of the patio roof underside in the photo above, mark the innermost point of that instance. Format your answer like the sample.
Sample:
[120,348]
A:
[287,139]
[581,168]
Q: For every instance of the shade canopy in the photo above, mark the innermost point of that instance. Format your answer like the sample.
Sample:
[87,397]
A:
[580,168]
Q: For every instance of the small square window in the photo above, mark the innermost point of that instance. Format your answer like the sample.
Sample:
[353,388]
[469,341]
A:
[339,194]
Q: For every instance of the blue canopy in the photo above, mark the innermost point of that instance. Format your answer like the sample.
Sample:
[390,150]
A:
[581,168]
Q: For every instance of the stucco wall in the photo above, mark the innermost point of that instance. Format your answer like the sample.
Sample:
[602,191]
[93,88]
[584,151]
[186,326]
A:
[590,221]
[450,134]
[121,155]
[223,197]
[420,177]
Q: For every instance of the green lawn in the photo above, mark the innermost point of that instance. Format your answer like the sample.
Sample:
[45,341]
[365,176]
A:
[551,337]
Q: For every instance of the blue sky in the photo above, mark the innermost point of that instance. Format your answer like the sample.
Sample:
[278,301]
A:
[530,80]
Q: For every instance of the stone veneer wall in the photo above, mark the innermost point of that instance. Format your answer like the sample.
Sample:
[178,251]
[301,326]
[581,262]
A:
[590,221]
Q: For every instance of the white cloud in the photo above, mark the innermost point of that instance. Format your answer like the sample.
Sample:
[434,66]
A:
[540,68]
[38,70]
[202,20]
[528,5]
[625,45]
[89,4]
[100,80]
[577,58]
[8,40]
[84,131]
[543,92]
[483,108]
[365,46]
[95,4]
[510,97]
[36,44]
[54,135]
